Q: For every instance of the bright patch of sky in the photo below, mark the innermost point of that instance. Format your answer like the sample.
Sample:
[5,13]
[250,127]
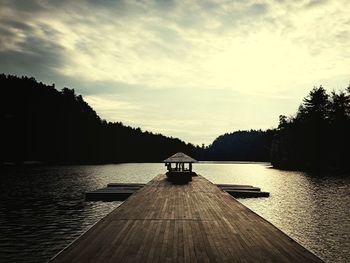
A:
[187,69]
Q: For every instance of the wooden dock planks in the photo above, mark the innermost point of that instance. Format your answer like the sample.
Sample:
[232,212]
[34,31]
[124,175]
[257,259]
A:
[196,222]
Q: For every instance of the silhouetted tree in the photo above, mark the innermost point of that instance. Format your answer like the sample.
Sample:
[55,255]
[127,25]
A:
[317,137]
[314,107]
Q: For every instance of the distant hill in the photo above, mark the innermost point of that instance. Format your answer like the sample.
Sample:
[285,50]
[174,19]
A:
[253,145]
[40,123]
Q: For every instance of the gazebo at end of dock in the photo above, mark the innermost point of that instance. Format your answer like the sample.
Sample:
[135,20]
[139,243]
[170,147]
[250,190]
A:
[179,167]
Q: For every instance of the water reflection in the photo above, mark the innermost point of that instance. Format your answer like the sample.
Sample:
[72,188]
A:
[43,209]
[312,209]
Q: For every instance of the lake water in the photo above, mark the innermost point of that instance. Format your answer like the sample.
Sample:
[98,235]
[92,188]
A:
[42,209]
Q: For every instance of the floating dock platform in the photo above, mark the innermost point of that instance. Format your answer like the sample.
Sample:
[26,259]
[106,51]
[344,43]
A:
[196,222]
[113,192]
[243,191]
[121,191]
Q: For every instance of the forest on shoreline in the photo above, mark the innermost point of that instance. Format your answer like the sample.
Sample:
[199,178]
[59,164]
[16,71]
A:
[44,125]
[317,137]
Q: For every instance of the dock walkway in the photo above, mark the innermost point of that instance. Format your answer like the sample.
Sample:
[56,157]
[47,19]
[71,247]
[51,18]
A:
[196,222]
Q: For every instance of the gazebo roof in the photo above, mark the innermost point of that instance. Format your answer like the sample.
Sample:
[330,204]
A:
[180,158]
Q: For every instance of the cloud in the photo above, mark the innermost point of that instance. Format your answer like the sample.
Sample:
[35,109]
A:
[199,60]
[315,3]
[31,55]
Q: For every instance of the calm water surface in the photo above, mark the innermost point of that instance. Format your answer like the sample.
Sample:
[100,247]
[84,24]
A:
[42,209]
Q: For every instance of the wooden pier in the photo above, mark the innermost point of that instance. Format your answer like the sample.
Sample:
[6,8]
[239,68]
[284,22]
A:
[195,222]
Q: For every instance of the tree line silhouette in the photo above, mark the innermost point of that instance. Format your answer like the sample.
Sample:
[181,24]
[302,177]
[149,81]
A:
[40,123]
[253,145]
[317,137]
[43,124]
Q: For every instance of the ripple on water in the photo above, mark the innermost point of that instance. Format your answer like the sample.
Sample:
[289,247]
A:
[42,209]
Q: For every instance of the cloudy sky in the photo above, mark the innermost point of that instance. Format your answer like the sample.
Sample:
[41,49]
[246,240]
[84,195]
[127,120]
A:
[187,69]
